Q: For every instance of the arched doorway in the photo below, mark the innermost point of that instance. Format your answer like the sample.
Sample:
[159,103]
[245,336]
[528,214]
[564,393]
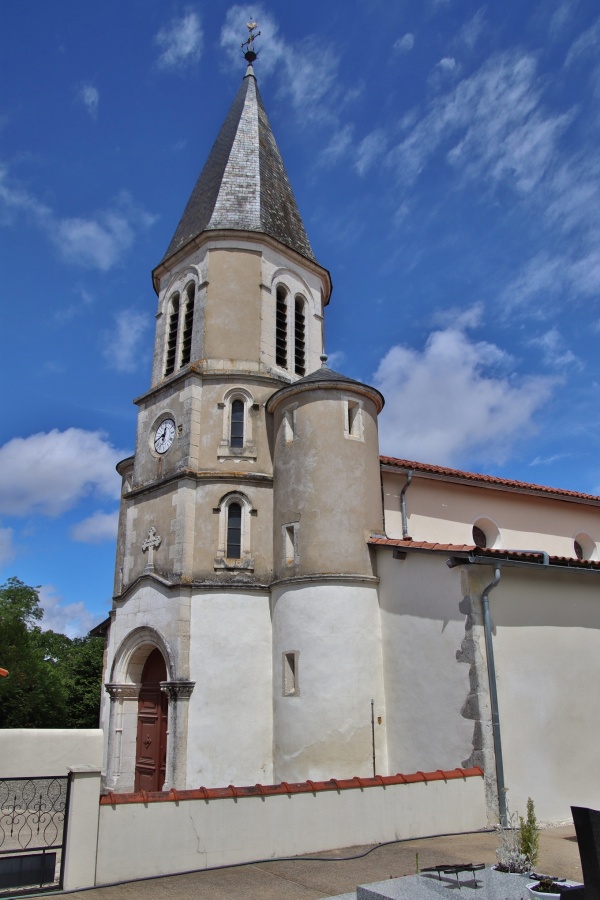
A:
[153,710]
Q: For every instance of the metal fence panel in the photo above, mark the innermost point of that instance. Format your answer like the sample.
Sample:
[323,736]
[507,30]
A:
[33,819]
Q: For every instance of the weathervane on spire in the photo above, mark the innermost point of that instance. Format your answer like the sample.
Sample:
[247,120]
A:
[250,54]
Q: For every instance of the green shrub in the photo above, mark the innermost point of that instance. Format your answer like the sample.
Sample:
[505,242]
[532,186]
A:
[530,834]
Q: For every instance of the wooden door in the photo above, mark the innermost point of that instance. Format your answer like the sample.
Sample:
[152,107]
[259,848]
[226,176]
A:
[153,710]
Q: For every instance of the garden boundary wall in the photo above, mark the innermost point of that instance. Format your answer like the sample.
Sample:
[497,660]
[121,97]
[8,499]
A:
[145,835]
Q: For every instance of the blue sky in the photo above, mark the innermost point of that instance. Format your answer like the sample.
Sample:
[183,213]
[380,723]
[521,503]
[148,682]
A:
[444,155]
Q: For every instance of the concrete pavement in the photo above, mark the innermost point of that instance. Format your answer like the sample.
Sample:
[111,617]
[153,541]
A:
[304,879]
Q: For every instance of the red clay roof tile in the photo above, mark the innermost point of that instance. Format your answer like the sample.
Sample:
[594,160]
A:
[484,479]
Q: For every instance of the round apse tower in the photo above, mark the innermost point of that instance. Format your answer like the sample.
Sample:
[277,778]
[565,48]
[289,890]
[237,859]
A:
[327,663]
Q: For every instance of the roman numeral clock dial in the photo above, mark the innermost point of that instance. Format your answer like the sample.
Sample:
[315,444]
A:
[164,436]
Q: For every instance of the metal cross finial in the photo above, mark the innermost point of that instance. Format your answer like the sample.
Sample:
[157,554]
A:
[250,53]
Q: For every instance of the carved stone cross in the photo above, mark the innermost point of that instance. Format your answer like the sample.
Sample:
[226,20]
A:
[152,543]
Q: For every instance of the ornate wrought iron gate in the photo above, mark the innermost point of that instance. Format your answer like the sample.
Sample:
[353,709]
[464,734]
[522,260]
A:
[33,830]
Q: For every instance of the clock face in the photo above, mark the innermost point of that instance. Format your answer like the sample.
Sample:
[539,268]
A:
[164,435]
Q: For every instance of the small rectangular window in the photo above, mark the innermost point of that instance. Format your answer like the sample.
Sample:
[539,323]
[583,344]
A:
[353,420]
[290,544]
[288,425]
[290,674]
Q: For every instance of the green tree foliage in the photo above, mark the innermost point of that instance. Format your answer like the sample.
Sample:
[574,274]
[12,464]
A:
[53,681]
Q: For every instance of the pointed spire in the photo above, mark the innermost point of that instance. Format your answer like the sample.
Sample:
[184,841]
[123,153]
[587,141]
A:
[243,185]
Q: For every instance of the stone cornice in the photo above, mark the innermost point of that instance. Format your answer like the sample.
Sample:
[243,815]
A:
[205,370]
[326,579]
[194,475]
[237,239]
[218,584]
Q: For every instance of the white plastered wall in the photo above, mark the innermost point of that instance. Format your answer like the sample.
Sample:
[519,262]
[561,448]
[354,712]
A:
[445,512]
[325,730]
[142,841]
[547,655]
[426,687]
[230,713]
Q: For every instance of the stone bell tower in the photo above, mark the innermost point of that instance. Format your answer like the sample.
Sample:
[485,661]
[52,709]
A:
[239,315]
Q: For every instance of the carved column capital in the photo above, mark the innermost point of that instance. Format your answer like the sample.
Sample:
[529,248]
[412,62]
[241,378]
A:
[178,690]
[122,691]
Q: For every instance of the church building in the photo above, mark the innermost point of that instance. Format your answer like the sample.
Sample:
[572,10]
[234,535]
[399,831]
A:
[288,604]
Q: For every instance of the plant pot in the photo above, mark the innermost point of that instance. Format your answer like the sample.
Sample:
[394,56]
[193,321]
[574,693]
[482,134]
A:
[537,894]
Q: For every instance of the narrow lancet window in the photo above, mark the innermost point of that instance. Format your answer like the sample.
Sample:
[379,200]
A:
[172,336]
[281,329]
[236,438]
[188,323]
[234,531]
[299,345]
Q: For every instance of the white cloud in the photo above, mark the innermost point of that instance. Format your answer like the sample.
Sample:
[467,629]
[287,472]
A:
[404,44]
[272,49]
[335,360]
[98,241]
[96,529]
[454,400]
[339,144]
[72,619]
[554,352]
[7,549]
[181,42]
[561,17]
[307,71]
[471,30]
[585,45]
[494,124]
[90,97]
[121,347]
[85,301]
[50,472]
[370,149]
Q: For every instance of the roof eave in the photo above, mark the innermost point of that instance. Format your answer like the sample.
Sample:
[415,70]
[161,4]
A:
[167,265]
[508,487]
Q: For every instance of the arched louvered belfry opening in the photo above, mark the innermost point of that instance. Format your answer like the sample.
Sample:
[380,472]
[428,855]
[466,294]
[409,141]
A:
[152,723]
[188,325]
[173,328]
[281,327]
[299,337]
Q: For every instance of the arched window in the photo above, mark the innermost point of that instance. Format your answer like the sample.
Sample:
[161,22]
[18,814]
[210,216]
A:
[234,531]
[236,432]
[235,515]
[299,337]
[281,328]
[173,328]
[188,325]
[239,413]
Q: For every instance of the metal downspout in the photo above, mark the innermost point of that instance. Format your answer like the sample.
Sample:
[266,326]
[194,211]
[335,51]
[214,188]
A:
[487,626]
[409,476]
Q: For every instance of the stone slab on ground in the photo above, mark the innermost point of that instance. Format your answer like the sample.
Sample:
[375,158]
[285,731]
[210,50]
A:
[486,885]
